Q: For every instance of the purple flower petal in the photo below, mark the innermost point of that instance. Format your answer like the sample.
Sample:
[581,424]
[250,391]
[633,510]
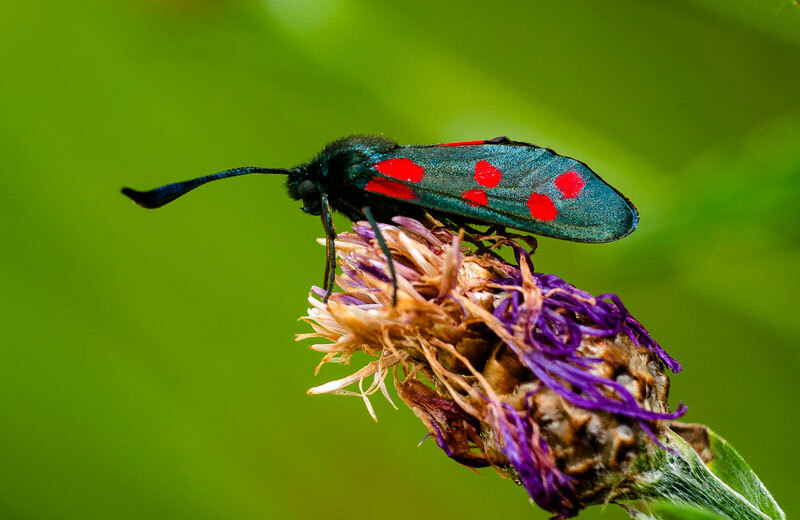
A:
[555,324]
[412,225]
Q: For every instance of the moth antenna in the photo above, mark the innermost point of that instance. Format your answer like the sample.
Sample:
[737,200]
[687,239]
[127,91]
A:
[158,197]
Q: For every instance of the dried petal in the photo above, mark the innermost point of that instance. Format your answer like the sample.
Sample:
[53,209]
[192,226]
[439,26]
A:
[506,367]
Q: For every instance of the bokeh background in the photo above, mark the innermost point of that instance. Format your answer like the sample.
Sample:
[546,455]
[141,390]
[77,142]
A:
[147,362]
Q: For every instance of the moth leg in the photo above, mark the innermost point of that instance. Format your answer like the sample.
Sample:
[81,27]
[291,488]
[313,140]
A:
[385,249]
[330,248]
[496,229]
[471,237]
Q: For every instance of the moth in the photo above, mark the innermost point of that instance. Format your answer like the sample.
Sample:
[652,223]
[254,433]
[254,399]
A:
[496,182]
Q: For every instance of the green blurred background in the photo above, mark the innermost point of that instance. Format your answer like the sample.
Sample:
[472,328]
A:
[147,366]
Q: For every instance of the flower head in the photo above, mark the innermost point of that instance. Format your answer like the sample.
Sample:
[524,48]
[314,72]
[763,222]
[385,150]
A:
[506,367]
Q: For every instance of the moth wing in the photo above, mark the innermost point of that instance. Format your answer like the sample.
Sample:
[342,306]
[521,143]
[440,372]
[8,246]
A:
[517,185]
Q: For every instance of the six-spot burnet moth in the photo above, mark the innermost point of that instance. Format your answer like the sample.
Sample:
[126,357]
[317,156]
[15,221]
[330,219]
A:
[495,182]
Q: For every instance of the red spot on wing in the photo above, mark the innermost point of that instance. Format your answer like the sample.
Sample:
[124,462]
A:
[541,207]
[487,175]
[570,184]
[390,188]
[463,143]
[402,169]
[475,197]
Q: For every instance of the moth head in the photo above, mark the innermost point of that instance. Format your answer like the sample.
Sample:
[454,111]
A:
[303,185]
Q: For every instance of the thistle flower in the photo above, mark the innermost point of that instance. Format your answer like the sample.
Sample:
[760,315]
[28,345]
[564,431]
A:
[562,391]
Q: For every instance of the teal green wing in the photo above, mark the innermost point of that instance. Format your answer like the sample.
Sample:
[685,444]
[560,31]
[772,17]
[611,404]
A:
[517,185]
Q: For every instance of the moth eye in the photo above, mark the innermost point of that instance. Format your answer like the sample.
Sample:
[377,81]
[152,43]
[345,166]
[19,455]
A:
[307,190]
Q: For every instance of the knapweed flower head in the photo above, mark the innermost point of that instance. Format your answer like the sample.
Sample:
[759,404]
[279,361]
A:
[560,390]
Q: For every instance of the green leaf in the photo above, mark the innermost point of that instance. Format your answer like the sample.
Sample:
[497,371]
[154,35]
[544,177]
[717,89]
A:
[678,511]
[666,510]
[701,474]
[732,469]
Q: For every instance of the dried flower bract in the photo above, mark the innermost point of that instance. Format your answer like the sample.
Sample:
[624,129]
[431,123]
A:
[508,368]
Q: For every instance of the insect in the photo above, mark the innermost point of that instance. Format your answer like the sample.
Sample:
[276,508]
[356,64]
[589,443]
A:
[495,182]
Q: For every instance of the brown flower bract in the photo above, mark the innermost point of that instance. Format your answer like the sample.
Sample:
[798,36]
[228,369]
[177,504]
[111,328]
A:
[454,368]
